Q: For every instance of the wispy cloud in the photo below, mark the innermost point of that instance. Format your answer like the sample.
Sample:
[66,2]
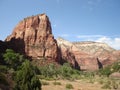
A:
[111,41]
[89,36]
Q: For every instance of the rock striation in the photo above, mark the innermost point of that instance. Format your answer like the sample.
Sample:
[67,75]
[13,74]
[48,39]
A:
[77,58]
[105,54]
[89,55]
[33,37]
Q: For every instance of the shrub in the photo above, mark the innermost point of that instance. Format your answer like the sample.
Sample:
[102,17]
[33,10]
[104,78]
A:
[114,85]
[44,83]
[105,71]
[115,67]
[56,83]
[3,68]
[49,71]
[106,86]
[13,59]
[69,86]
[101,81]
[64,71]
[26,78]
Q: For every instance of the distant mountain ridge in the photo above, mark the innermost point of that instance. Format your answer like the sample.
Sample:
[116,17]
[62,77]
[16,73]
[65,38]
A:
[101,53]
[86,45]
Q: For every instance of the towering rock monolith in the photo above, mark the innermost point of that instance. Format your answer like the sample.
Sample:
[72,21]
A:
[33,37]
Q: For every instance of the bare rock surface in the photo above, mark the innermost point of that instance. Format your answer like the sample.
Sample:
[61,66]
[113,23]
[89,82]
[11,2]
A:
[88,55]
[33,37]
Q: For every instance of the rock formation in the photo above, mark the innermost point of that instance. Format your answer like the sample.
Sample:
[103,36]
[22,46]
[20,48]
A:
[105,54]
[33,37]
[88,55]
[73,55]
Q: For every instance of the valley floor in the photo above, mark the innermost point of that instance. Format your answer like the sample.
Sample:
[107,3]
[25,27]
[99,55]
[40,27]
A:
[77,85]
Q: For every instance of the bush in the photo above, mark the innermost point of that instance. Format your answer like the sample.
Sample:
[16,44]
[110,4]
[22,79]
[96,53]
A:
[44,83]
[56,83]
[105,71]
[54,72]
[69,86]
[3,68]
[106,86]
[26,78]
[67,72]
[13,59]
[114,85]
[49,71]
[115,67]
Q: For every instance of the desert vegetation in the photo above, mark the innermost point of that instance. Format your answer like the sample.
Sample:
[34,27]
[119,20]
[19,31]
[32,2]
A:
[18,73]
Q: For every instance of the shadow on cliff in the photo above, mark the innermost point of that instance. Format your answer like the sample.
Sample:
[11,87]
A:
[99,64]
[18,45]
[3,47]
[63,60]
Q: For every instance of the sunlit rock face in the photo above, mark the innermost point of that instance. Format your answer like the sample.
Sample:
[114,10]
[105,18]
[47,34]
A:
[105,54]
[88,55]
[33,37]
[77,58]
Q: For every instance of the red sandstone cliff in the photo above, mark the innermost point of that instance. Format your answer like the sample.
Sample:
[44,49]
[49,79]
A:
[88,55]
[33,37]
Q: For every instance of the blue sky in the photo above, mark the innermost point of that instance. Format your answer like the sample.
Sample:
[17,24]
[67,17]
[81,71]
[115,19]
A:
[74,20]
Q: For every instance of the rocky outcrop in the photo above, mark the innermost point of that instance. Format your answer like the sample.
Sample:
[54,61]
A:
[105,54]
[88,55]
[33,37]
[73,55]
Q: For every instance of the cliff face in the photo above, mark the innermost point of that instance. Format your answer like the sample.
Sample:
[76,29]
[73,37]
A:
[88,55]
[73,55]
[33,37]
[105,54]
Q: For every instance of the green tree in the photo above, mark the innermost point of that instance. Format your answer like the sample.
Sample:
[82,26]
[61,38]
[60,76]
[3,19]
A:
[13,59]
[26,78]
[66,70]
[49,70]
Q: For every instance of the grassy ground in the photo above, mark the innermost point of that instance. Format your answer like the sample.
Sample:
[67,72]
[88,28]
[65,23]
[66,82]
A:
[77,85]
[94,83]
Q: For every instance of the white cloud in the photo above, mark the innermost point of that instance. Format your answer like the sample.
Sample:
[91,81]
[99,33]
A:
[113,42]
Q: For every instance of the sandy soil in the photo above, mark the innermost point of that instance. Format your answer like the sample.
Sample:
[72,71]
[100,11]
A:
[77,85]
